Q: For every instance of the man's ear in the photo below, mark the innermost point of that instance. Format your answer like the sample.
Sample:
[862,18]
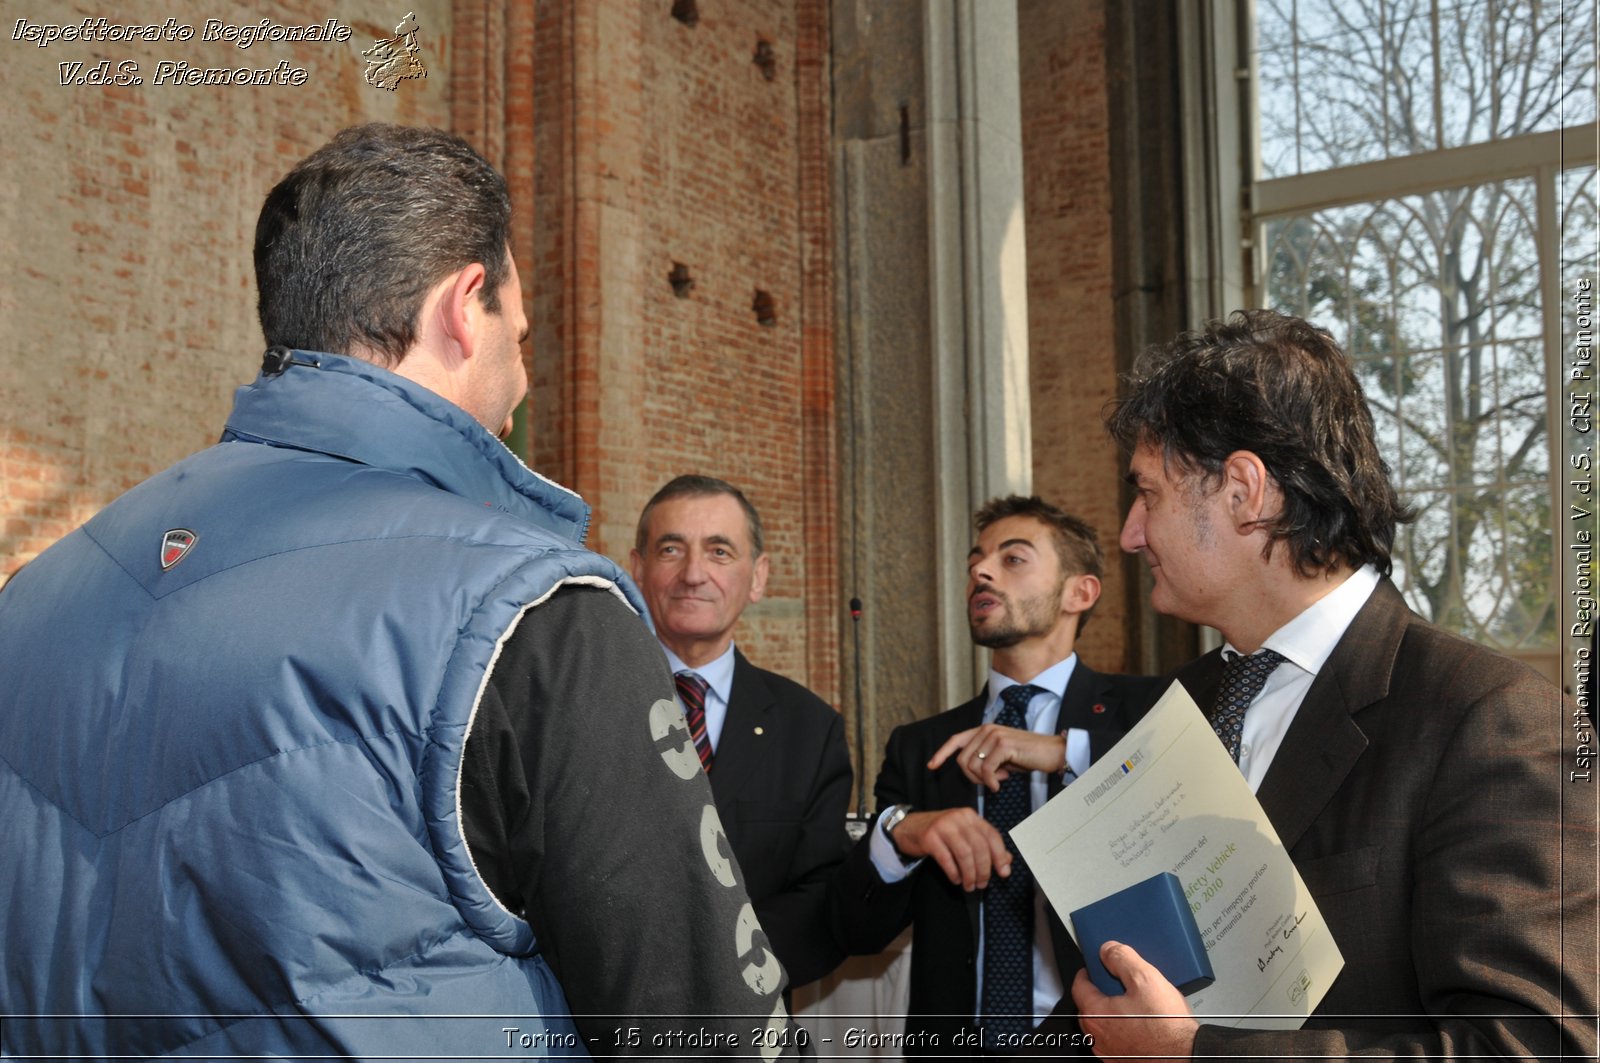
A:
[1079,593]
[1249,492]
[635,564]
[758,584]
[461,307]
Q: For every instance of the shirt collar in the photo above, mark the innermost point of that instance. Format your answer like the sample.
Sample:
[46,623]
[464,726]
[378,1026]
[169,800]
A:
[1308,639]
[1053,680]
[717,673]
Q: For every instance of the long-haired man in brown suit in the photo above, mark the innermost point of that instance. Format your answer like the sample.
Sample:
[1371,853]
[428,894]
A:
[1416,778]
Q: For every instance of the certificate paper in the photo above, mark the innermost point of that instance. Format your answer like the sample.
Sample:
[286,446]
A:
[1169,798]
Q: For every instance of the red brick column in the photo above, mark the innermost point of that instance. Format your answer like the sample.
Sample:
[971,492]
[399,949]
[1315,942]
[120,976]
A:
[1071,308]
[824,608]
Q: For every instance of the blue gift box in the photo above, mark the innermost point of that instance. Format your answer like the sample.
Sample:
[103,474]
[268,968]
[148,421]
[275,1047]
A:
[1153,917]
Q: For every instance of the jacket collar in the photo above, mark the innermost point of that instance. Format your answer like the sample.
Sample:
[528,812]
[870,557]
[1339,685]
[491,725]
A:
[351,409]
[1324,742]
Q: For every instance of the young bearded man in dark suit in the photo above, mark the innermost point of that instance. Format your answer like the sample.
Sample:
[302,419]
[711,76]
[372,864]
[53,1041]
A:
[775,752]
[1415,777]
[989,957]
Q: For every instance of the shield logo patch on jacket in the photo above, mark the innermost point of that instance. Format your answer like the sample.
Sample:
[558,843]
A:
[175,545]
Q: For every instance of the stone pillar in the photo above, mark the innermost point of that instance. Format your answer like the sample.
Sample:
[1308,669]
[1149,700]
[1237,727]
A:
[978,294]
[932,344]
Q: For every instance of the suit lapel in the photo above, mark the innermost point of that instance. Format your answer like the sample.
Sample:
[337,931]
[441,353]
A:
[950,788]
[1090,703]
[1076,706]
[1086,690]
[1324,742]
[953,790]
[739,749]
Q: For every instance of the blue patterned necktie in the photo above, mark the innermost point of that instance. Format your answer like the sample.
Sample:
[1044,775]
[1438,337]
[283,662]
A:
[1008,902]
[692,692]
[1242,679]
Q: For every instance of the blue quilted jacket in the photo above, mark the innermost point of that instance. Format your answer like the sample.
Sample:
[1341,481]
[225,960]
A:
[229,816]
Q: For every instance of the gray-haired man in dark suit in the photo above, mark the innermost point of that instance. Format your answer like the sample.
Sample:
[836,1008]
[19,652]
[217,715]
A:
[774,751]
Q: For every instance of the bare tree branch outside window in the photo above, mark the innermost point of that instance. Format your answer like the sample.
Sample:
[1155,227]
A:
[1438,296]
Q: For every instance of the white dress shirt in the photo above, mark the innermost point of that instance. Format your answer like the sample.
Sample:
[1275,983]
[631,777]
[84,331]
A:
[1305,642]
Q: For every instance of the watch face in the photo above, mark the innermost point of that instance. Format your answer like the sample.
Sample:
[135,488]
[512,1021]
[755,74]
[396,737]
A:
[891,820]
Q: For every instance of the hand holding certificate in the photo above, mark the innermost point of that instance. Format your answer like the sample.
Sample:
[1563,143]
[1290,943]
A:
[1168,798]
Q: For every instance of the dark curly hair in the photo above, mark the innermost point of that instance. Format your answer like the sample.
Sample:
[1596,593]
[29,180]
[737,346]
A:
[1281,388]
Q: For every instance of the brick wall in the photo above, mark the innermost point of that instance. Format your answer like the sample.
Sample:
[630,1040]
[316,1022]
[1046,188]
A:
[659,143]
[127,215]
[631,141]
[1071,313]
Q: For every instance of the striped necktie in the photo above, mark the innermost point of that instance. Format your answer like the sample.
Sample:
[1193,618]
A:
[692,691]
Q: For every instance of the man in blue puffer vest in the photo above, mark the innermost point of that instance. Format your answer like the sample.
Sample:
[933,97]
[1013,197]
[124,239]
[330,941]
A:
[331,740]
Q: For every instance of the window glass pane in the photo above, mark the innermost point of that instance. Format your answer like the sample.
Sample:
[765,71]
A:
[1527,618]
[1343,82]
[1420,557]
[1436,298]
[1424,451]
[1522,409]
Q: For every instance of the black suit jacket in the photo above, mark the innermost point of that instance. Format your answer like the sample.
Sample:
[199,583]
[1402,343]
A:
[1419,791]
[781,782]
[869,913]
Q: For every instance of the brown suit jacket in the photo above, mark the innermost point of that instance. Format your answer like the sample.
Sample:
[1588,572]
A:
[1421,791]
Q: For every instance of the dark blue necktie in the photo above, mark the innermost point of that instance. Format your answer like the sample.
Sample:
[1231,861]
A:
[1242,679]
[1008,902]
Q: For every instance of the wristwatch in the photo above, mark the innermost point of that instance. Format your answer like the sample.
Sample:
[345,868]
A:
[891,819]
